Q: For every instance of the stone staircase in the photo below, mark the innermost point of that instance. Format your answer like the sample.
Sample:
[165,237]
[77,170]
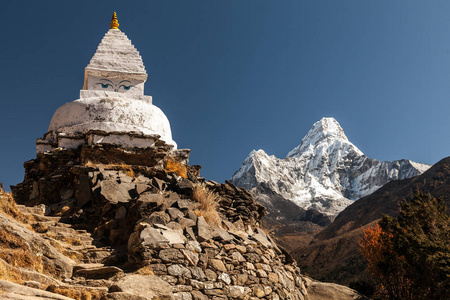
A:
[89,270]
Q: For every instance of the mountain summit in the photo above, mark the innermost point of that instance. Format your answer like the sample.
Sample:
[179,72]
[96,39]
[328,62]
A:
[325,131]
[326,172]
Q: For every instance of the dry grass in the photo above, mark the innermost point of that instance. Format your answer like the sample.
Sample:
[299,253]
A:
[208,201]
[75,293]
[74,255]
[127,169]
[9,207]
[16,252]
[146,270]
[10,274]
[176,167]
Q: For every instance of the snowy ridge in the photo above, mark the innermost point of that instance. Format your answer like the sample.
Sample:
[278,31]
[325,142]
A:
[325,172]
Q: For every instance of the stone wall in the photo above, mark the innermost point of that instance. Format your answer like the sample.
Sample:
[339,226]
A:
[129,201]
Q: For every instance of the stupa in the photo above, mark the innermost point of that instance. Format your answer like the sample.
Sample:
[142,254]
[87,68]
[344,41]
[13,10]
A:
[112,108]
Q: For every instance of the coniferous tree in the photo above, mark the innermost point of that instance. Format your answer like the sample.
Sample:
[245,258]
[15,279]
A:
[409,255]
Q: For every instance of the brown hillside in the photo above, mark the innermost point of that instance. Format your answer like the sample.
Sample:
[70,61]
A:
[333,254]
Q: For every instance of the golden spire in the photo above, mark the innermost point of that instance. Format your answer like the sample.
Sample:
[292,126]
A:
[114,23]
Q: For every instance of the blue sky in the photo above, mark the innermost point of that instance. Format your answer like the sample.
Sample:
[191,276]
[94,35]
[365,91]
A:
[233,76]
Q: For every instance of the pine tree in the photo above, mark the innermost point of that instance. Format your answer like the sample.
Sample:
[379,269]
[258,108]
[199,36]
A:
[409,255]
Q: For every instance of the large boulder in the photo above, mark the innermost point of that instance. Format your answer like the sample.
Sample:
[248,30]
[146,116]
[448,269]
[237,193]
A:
[148,286]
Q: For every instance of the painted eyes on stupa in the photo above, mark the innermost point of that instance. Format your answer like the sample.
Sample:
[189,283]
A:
[107,85]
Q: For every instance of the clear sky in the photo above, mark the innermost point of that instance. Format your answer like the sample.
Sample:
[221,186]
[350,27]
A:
[233,76]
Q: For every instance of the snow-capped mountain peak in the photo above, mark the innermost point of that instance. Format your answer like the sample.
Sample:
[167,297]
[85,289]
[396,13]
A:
[325,172]
[323,133]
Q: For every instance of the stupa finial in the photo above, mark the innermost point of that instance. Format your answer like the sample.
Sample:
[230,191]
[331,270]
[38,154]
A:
[114,23]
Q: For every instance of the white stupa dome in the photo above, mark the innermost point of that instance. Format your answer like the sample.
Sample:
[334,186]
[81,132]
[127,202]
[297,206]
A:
[112,100]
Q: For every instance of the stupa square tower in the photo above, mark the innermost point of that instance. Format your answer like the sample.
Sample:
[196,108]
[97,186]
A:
[112,108]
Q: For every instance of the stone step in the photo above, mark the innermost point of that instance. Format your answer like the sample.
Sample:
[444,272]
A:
[87,266]
[97,272]
[96,255]
[62,229]
[39,209]
[82,248]
[42,218]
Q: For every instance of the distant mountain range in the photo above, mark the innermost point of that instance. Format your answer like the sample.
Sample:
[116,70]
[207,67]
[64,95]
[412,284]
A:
[325,173]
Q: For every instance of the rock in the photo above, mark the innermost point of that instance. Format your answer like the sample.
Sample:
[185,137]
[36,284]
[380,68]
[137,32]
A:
[185,186]
[86,266]
[217,264]
[171,255]
[237,292]
[148,286]
[197,273]
[179,270]
[150,199]
[158,217]
[152,237]
[39,246]
[190,256]
[35,191]
[32,284]
[260,236]
[175,213]
[194,246]
[173,236]
[197,295]
[185,222]
[182,296]
[84,191]
[258,291]
[121,213]
[116,192]
[203,230]
[159,184]
[124,178]
[123,296]
[16,291]
[141,188]
[237,256]
[225,278]
[98,273]
[67,194]
[324,291]
[221,234]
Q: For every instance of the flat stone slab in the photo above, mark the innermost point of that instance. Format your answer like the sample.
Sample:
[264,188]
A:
[87,266]
[17,291]
[116,192]
[148,286]
[98,273]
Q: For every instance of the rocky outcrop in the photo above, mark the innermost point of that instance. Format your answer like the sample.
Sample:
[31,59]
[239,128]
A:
[145,225]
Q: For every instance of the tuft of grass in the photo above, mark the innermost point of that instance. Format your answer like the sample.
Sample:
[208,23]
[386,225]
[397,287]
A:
[10,274]
[176,167]
[128,170]
[208,204]
[9,207]
[145,270]
[16,253]
[75,293]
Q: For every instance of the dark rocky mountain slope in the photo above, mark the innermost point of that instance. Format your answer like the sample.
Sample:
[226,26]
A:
[333,254]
